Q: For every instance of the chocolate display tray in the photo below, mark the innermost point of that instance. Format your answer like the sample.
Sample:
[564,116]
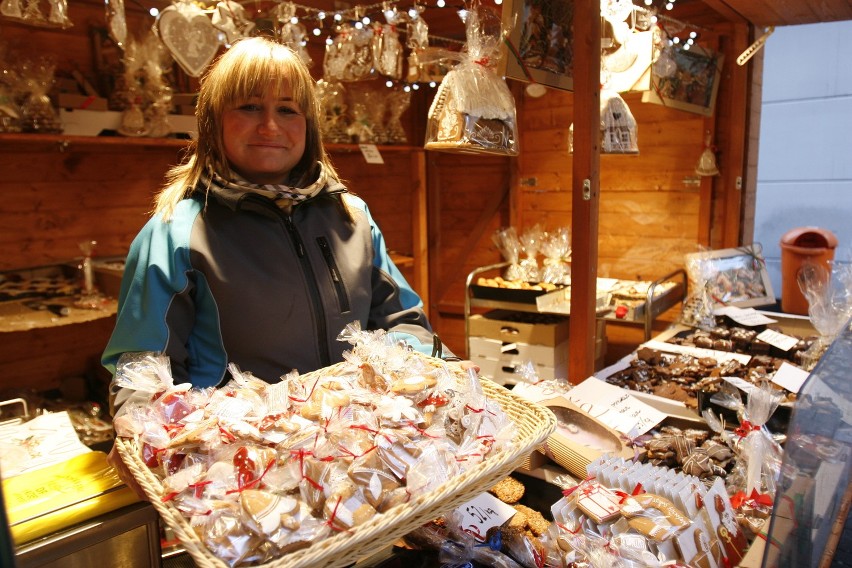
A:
[41,283]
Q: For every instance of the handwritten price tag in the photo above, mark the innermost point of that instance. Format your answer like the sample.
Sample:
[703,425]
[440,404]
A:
[614,406]
[483,512]
[776,339]
[371,153]
[744,316]
[790,377]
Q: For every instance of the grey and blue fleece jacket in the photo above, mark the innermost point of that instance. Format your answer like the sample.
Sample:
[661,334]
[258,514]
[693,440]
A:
[232,278]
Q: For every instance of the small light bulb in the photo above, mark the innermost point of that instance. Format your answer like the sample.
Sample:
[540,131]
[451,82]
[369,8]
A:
[433,84]
[415,86]
[154,12]
[498,2]
[329,41]
[389,83]
[653,19]
[649,2]
[407,89]
[686,47]
[294,20]
[669,6]
[676,39]
[366,21]
[337,17]
[412,13]
[317,32]
[359,25]
[321,15]
[693,35]
[440,3]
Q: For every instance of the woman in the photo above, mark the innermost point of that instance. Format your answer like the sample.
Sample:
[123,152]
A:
[256,253]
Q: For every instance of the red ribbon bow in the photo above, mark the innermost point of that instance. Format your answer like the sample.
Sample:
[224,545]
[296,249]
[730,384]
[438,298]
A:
[755,499]
[746,427]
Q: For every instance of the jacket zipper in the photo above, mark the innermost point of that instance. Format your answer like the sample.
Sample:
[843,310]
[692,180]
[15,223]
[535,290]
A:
[342,299]
[322,343]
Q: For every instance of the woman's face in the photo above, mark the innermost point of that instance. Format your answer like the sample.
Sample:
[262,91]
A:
[264,136]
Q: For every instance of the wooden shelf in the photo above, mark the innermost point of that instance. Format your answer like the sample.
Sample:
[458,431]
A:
[401,260]
[63,142]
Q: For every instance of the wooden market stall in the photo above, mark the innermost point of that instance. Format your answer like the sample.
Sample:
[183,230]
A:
[632,216]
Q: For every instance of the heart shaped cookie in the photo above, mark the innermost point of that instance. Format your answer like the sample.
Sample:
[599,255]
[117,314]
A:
[189,35]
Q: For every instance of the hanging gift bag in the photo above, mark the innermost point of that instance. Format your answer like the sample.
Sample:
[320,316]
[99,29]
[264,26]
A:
[473,110]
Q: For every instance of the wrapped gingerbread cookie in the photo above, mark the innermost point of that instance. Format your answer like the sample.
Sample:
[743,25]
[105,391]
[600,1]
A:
[474,110]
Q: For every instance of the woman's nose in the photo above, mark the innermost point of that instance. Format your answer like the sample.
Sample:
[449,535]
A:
[268,123]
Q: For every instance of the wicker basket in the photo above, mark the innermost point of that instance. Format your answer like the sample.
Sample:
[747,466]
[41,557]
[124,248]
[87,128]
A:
[534,424]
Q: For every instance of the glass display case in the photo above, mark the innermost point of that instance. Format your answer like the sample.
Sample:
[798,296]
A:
[814,491]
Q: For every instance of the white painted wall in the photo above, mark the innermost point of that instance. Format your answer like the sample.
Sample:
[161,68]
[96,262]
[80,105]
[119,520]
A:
[804,174]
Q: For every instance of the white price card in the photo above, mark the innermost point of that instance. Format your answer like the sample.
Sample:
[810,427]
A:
[790,377]
[371,153]
[744,316]
[483,512]
[614,406]
[777,339]
[741,384]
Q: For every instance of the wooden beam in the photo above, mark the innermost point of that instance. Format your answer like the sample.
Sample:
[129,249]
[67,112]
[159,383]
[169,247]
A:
[420,228]
[736,162]
[585,189]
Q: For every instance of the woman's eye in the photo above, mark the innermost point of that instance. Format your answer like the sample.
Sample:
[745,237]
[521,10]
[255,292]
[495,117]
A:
[287,110]
[249,107]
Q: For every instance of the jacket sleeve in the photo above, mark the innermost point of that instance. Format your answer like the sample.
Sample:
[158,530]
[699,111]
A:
[156,310]
[395,306]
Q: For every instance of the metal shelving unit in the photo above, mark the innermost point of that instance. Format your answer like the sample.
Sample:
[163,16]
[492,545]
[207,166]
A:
[643,315]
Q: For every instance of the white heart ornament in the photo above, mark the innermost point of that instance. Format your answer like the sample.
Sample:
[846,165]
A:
[190,37]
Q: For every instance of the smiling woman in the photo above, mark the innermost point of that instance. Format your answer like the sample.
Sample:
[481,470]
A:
[257,255]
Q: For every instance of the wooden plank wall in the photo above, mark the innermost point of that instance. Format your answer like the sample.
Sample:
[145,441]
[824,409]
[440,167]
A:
[468,202]
[650,202]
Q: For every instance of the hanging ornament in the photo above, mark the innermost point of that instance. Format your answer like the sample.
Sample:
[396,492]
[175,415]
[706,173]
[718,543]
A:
[32,12]
[188,34]
[618,127]
[387,51]
[418,41]
[59,13]
[116,21]
[707,162]
[290,31]
[11,8]
[230,17]
[350,57]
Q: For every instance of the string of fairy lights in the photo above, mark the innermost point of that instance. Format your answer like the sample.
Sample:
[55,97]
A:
[321,24]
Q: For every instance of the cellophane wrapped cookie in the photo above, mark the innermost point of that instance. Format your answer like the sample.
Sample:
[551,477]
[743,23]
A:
[261,469]
[474,110]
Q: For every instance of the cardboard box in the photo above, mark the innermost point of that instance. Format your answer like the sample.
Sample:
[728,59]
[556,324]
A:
[82,102]
[507,352]
[509,372]
[92,123]
[520,327]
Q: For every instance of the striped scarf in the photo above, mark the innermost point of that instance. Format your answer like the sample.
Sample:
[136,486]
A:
[283,195]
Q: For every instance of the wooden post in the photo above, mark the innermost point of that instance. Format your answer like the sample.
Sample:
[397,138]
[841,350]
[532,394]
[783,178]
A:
[585,188]
[420,228]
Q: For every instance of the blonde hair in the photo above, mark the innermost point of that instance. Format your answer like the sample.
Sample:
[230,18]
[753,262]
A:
[250,66]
